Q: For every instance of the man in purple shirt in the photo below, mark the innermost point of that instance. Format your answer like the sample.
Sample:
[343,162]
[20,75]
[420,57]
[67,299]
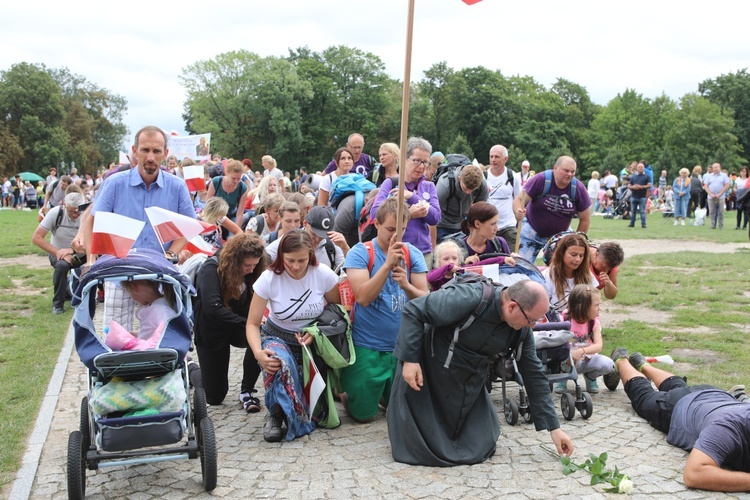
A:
[363,163]
[547,204]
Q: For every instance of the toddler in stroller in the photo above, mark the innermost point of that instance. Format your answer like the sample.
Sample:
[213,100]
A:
[138,394]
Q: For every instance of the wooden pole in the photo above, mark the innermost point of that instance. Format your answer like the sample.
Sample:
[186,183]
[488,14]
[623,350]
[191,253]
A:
[404,121]
[520,221]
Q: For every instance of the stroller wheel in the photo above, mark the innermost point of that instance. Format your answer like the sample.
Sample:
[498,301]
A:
[200,409]
[76,466]
[587,407]
[511,411]
[84,425]
[611,380]
[568,406]
[527,416]
[207,450]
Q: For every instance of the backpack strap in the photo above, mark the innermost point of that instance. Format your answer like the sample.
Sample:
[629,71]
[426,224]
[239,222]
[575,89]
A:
[331,252]
[369,246]
[58,219]
[273,236]
[260,224]
[487,292]
[548,185]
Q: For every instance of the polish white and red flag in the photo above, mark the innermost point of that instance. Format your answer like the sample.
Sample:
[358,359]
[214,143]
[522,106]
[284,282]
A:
[114,234]
[471,2]
[198,245]
[315,384]
[194,177]
[170,225]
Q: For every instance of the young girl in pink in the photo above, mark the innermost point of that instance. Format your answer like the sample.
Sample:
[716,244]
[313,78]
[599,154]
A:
[449,258]
[586,345]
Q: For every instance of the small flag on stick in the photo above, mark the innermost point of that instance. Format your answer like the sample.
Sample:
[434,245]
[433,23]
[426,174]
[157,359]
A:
[198,245]
[194,177]
[114,234]
[315,384]
[170,225]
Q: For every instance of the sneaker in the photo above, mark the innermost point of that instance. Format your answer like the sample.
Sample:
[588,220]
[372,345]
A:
[682,222]
[675,223]
[631,225]
[58,310]
[100,296]
[592,386]
[250,403]
[272,432]
[738,393]
[618,353]
[561,387]
[643,226]
[637,360]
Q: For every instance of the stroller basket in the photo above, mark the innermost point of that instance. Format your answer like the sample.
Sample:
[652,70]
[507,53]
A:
[129,433]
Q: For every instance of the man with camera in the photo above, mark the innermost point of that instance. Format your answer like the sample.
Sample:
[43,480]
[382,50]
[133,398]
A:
[63,222]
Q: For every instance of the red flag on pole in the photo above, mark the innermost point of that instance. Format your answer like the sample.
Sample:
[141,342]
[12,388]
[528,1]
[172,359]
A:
[198,245]
[114,234]
[315,384]
[170,225]
[194,177]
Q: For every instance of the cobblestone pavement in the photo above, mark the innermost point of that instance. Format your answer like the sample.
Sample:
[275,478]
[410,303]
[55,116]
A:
[354,460]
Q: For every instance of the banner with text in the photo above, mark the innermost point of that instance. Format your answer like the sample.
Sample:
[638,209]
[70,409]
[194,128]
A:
[197,147]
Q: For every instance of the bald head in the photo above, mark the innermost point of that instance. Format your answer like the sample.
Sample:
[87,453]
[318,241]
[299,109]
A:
[523,303]
[564,171]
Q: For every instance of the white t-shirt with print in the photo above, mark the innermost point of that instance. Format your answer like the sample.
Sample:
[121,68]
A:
[326,184]
[295,304]
[501,194]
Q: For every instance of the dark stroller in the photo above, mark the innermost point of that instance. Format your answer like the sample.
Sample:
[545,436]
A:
[622,209]
[555,356]
[129,433]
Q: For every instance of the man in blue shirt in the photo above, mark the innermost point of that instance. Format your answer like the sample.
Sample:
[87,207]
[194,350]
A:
[129,193]
[639,186]
[716,183]
[711,424]
[381,287]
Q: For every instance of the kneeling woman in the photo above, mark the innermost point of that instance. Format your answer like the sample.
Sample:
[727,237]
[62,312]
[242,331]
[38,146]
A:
[295,289]
[224,290]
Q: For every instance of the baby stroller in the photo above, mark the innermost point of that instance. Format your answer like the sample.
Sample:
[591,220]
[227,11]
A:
[137,408]
[552,350]
[622,209]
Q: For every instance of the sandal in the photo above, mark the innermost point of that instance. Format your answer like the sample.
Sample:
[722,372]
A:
[250,403]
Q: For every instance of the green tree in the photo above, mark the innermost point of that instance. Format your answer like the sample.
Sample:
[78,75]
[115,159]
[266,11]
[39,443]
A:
[732,93]
[31,107]
[460,145]
[703,134]
[250,105]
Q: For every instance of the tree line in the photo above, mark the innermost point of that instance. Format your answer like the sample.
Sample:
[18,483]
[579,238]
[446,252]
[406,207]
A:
[301,107]
[48,116]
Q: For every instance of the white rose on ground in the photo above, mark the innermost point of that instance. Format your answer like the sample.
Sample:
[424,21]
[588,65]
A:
[626,485]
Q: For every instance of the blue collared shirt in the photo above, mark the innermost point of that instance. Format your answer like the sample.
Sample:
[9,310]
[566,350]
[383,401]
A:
[126,194]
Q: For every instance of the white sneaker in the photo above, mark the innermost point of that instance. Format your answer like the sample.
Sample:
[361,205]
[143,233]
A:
[675,223]
[682,222]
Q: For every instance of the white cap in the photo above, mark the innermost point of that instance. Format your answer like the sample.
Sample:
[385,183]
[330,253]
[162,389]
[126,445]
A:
[526,163]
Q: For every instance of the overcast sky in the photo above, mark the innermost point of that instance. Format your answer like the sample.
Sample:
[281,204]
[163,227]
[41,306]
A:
[138,49]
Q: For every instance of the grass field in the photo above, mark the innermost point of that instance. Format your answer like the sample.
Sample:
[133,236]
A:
[700,298]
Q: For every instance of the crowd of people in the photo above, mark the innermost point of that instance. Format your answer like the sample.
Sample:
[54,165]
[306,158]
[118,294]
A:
[690,195]
[284,248]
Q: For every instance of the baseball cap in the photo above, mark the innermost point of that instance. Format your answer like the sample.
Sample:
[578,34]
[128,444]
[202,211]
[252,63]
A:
[525,163]
[320,220]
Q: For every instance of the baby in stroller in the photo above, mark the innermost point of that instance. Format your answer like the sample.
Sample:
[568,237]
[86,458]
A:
[138,394]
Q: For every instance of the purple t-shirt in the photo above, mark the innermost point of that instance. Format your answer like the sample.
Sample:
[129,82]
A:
[552,213]
[716,424]
[362,166]
[417,230]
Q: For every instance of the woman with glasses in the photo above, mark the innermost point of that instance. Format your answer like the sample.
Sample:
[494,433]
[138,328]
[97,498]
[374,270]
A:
[295,289]
[420,196]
